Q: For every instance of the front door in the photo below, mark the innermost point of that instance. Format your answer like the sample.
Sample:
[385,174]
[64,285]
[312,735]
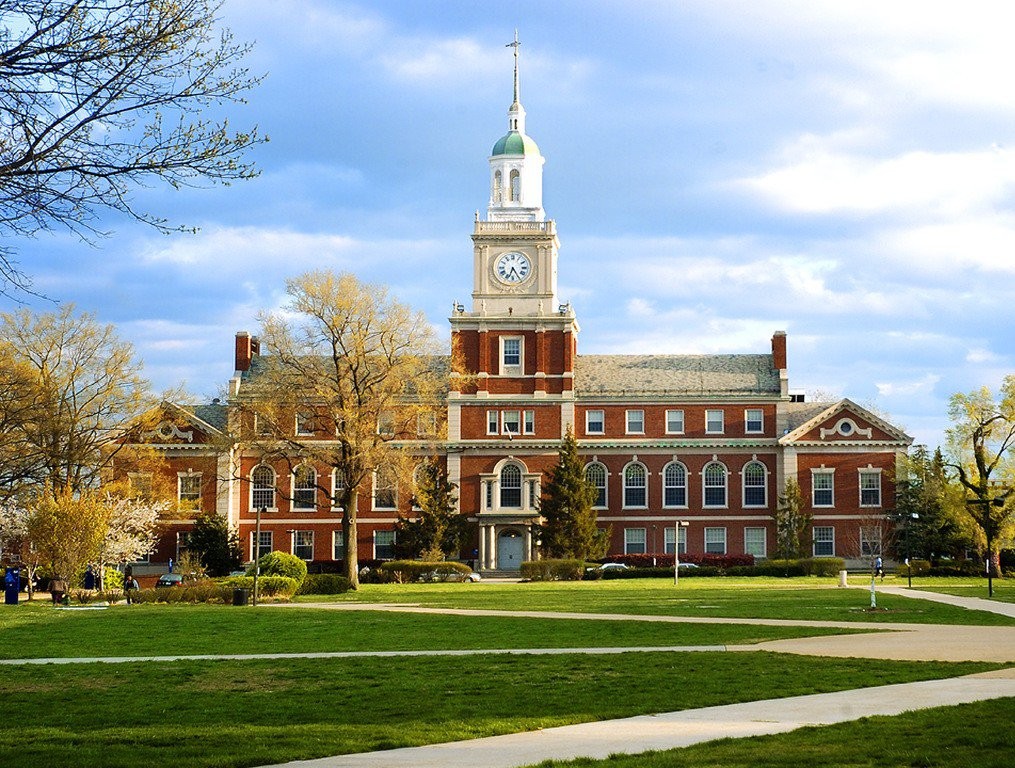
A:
[510,545]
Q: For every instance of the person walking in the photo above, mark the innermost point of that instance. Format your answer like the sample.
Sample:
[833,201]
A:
[129,585]
[57,589]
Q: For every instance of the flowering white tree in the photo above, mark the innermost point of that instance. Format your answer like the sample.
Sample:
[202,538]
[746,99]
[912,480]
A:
[132,531]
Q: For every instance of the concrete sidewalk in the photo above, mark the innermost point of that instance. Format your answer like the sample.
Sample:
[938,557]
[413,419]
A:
[680,729]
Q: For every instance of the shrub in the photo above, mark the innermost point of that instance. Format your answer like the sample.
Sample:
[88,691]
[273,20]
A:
[323,584]
[915,568]
[403,571]
[282,587]
[823,566]
[203,591]
[659,573]
[662,561]
[281,564]
[553,570]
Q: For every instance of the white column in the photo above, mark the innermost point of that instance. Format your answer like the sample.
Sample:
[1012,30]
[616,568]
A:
[491,547]
[481,564]
[529,555]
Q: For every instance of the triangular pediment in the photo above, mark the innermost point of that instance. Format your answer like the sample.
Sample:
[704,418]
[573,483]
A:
[846,423]
[172,424]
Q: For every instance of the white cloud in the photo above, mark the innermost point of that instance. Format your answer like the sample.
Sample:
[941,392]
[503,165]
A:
[911,388]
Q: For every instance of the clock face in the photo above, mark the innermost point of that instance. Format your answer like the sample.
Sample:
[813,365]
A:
[513,267]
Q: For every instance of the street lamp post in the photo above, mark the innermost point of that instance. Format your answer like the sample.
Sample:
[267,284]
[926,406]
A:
[909,554]
[677,525]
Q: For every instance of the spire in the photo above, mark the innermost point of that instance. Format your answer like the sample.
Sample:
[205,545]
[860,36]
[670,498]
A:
[516,114]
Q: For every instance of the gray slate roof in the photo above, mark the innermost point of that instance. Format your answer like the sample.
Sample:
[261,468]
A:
[800,413]
[675,375]
[215,414]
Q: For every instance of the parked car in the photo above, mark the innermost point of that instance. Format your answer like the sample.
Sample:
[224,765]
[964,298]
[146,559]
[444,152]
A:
[169,580]
[688,565]
[609,567]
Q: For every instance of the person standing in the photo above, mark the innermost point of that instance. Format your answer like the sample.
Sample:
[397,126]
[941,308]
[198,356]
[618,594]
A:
[129,585]
[57,589]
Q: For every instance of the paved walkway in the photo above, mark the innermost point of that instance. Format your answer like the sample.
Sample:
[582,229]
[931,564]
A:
[680,729]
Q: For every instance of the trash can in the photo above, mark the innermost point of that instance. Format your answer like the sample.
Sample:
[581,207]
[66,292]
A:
[241,596]
[12,585]
[842,578]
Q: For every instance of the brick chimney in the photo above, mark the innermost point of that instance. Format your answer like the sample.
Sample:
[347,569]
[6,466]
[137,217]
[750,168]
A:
[779,350]
[245,350]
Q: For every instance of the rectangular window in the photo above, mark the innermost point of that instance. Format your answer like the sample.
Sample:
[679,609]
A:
[489,494]
[595,422]
[264,546]
[529,418]
[668,536]
[511,422]
[337,545]
[754,542]
[870,540]
[824,541]
[190,490]
[492,422]
[715,541]
[715,422]
[385,490]
[303,545]
[337,487]
[822,492]
[262,425]
[636,422]
[384,545]
[304,423]
[634,541]
[870,488]
[754,420]
[511,355]
[674,422]
[385,424]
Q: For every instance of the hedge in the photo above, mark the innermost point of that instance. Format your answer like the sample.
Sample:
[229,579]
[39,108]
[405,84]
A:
[553,570]
[204,591]
[282,587]
[323,584]
[661,561]
[404,571]
[655,573]
[280,564]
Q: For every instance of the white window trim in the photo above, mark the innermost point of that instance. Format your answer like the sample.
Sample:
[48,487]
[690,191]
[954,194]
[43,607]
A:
[296,535]
[254,543]
[179,487]
[725,540]
[814,545]
[722,418]
[764,539]
[529,422]
[334,489]
[373,496]
[517,422]
[705,487]
[830,473]
[681,539]
[394,540]
[512,370]
[859,481]
[493,420]
[623,486]
[760,430]
[335,537]
[627,422]
[606,483]
[602,420]
[743,485]
[274,489]
[643,542]
[683,422]
[301,422]
[292,479]
[687,494]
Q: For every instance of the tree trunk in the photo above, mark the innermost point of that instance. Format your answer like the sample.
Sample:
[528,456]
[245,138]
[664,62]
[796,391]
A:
[351,539]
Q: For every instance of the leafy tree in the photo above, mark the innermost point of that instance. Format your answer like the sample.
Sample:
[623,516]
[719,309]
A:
[367,368]
[436,532]
[215,544]
[569,527]
[792,523]
[86,389]
[980,444]
[924,489]
[67,531]
[100,96]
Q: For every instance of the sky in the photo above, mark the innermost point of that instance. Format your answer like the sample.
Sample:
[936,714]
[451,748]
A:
[718,170]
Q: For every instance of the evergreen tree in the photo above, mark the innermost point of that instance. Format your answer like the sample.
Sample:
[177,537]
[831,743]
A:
[792,522]
[569,527]
[437,531]
[215,545]
[926,490]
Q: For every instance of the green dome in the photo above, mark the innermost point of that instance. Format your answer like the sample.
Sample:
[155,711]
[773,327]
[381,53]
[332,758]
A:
[515,143]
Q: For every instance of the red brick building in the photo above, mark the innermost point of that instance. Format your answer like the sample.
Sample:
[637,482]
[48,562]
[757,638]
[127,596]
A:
[710,440]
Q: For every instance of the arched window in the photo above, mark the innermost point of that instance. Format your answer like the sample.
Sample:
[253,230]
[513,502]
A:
[337,486]
[511,486]
[675,485]
[595,473]
[516,187]
[715,484]
[305,488]
[755,485]
[635,486]
[498,187]
[262,482]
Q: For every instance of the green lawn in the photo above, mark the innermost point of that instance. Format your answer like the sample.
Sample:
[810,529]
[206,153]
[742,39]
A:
[804,599]
[41,631]
[964,736]
[233,713]
[1004,589]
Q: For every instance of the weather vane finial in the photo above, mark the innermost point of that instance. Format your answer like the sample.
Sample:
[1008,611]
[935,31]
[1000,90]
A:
[515,45]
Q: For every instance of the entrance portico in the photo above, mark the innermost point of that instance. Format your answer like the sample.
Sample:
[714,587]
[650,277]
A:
[505,543]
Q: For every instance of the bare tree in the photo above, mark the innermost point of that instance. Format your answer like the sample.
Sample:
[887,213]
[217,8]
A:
[98,96]
[980,442]
[365,376]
